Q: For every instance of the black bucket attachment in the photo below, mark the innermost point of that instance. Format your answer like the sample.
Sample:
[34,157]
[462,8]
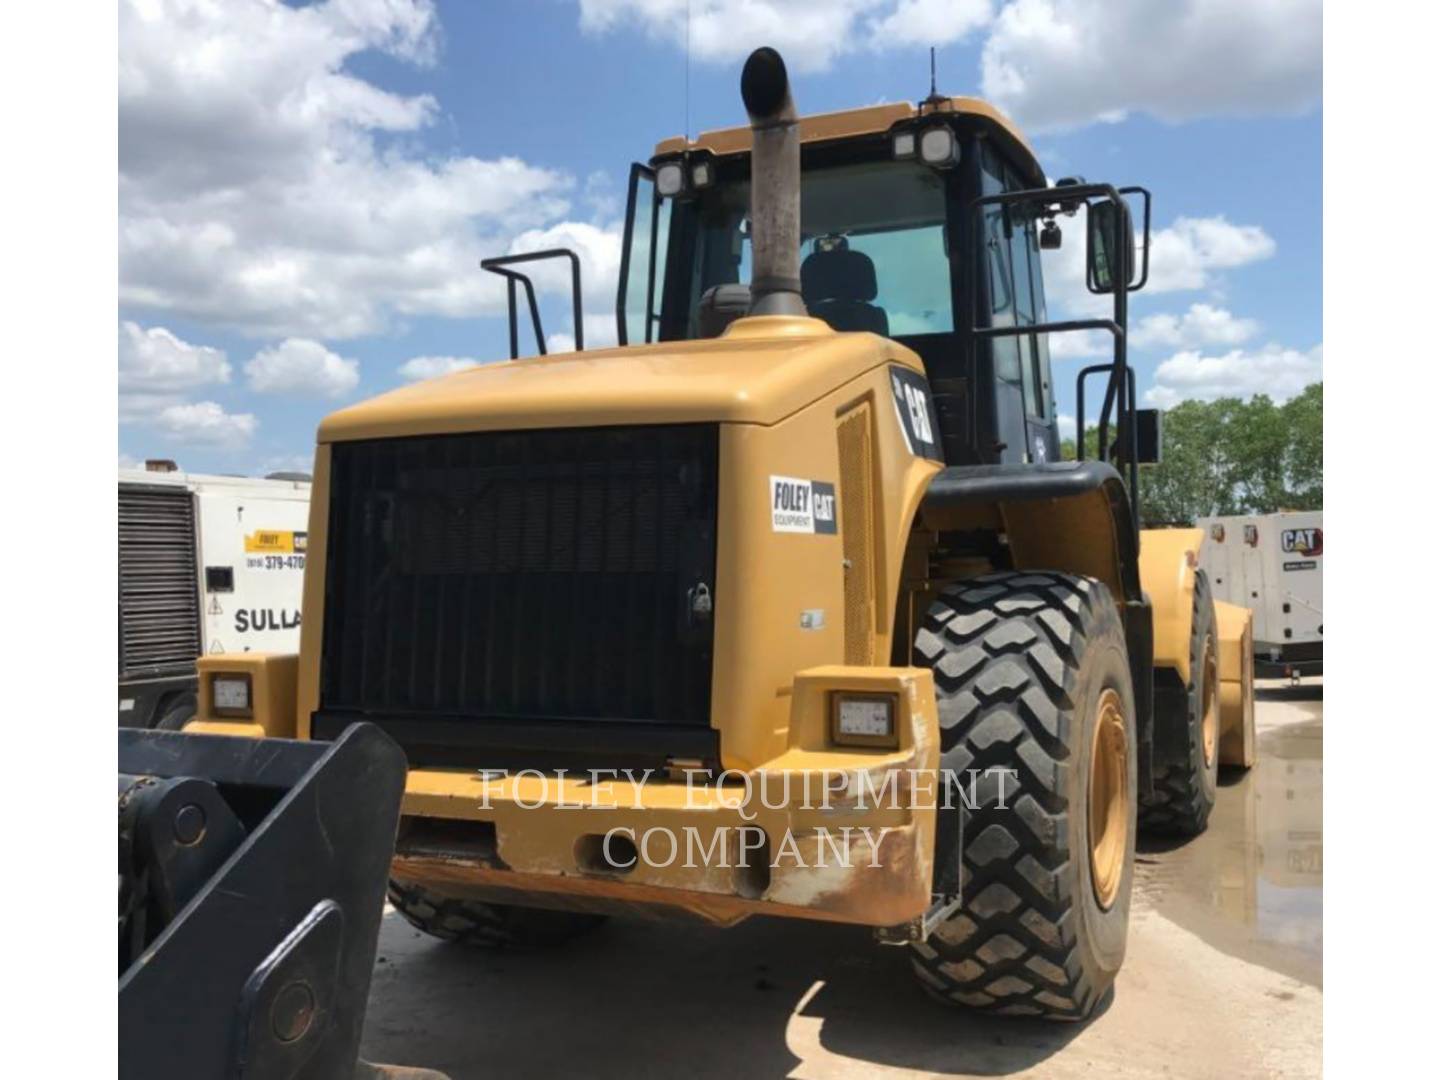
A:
[252,883]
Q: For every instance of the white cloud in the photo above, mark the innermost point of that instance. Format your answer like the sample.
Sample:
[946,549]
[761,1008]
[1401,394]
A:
[928,22]
[302,367]
[205,423]
[1274,370]
[600,333]
[156,361]
[810,34]
[1189,254]
[266,189]
[599,252]
[1081,345]
[138,408]
[432,367]
[157,369]
[1065,424]
[1055,64]
[560,342]
[1202,324]
[602,196]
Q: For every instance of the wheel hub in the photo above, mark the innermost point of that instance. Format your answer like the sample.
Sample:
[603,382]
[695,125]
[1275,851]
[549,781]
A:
[1109,798]
[1210,704]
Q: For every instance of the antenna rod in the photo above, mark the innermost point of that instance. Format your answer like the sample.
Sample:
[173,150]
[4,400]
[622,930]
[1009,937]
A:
[935,99]
[687,71]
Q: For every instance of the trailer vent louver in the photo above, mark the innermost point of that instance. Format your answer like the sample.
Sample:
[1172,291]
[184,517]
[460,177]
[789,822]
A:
[159,583]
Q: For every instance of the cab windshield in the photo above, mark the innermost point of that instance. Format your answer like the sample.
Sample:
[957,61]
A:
[872,249]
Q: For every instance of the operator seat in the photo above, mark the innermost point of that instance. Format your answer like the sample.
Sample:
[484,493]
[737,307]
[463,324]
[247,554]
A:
[837,285]
[720,305]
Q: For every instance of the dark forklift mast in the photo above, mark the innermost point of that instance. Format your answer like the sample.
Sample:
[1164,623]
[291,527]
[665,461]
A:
[252,881]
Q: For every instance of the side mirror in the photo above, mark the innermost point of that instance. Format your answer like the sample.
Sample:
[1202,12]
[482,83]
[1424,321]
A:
[1102,256]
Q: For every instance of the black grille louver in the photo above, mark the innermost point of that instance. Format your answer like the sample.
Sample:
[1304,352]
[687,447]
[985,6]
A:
[537,576]
[159,587]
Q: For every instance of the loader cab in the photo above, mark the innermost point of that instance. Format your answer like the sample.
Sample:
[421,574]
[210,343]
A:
[891,244]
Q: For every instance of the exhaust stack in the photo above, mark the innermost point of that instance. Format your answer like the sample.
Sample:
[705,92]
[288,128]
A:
[774,186]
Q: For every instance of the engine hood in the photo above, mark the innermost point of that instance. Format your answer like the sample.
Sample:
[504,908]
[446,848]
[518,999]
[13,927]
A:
[762,370]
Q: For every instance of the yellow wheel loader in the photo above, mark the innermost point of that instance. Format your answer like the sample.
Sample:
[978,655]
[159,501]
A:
[787,605]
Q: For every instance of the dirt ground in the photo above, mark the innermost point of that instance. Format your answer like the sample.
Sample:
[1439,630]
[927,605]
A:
[1222,979]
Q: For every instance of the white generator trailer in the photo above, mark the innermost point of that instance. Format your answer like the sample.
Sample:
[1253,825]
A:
[1274,565]
[208,564]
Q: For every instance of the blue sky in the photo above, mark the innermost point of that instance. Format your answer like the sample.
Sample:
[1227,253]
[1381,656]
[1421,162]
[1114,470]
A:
[305,189]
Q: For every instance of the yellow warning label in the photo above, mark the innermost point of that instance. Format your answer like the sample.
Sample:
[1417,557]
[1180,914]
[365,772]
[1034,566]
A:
[273,542]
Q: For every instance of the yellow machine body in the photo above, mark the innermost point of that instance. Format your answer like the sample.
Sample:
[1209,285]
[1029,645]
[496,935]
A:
[802,617]
[792,398]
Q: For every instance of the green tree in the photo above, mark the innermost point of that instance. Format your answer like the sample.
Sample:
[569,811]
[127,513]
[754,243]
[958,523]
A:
[1305,451]
[1196,474]
[1233,457]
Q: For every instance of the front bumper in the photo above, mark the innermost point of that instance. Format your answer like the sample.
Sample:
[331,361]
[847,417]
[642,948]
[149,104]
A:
[819,832]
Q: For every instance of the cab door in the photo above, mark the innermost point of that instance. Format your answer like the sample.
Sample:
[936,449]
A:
[1042,442]
[647,228]
[1023,396]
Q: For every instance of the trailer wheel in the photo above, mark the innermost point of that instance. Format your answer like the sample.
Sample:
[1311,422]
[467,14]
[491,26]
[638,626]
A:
[1184,793]
[1031,677]
[490,926]
[178,713]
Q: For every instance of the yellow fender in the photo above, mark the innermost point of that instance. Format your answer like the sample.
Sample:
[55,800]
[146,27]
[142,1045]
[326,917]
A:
[1235,629]
[1168,558]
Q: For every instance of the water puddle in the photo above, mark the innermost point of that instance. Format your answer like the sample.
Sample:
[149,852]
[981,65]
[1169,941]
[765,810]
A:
[1252,884]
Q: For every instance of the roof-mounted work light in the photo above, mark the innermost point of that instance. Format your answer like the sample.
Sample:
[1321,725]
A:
[939,148]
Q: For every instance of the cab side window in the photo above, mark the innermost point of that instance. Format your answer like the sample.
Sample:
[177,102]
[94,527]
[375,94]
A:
[1017,296]
[644,282]
[998,270]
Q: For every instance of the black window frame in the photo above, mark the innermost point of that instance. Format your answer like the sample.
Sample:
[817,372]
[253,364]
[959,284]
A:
[951,357]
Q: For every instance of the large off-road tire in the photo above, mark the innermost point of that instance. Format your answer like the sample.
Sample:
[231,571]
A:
[1031,676]
[1184,793]
[490,926]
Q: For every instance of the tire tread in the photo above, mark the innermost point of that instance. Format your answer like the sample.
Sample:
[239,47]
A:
[1180,803]
[483,925]
[1013,946]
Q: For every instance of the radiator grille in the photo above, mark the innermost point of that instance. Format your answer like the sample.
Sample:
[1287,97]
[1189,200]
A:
[542,575]
[857,533]
[159,586]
